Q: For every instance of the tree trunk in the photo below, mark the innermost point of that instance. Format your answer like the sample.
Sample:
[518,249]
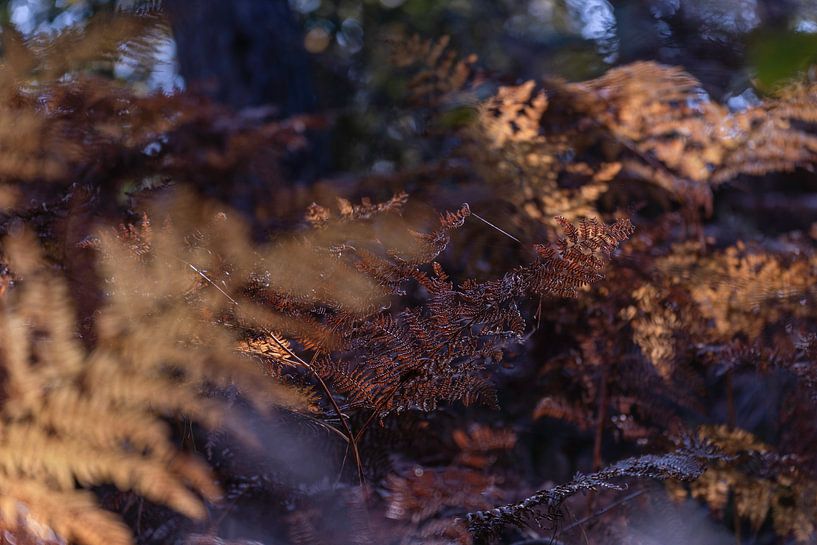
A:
[243,53]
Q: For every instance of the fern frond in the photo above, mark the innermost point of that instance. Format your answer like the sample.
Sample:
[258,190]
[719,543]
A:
[684,466]
[438,70]
[764,485]
[78,416]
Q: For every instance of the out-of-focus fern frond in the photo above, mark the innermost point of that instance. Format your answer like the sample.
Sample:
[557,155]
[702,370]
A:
[74,415]
[765,485]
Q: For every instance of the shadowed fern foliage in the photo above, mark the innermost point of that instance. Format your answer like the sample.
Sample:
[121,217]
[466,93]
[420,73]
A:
[762,484]
[443,350]
[203,342]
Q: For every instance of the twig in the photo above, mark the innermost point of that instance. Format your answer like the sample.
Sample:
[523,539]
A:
[584,534]
[507,234]
[538,541]
[200,273]
[601,512]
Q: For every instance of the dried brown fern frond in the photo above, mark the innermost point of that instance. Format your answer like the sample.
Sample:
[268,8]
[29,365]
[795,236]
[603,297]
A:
[560,409]
[60,130]
[578,259]
[441,350]
[428,498]
[45,78]
[319,216]
[513,145]
[438,71]
[92,416]
[514,114]
[658,329]
[658,112]
[444,349]
[773,488]
[76,129]
[420,493]
[94,45]
[560,145]
[62,424]
[776,136]
[743,288]
[44,127]
[271,346]
[184,279]
[746,306]
[413,357]
[26,530]
[71,516]
[481,445]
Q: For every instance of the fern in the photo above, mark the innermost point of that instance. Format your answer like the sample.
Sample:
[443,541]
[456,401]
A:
[74,415]
[444,349]
[682,465]
[763,484]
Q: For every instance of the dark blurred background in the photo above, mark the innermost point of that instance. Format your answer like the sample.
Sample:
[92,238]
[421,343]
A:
[332,55]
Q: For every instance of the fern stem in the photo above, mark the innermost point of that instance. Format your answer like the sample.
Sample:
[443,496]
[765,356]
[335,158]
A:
[376,410]
[328,392]
[350,435]
[602,416]
[731,414]
[599,436]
